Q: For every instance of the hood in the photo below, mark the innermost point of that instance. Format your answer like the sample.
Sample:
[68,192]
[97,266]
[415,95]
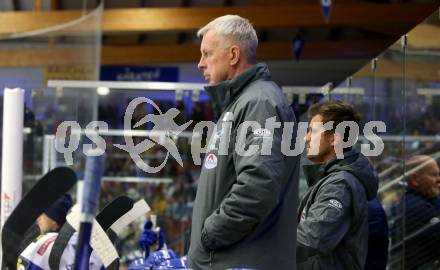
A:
[354,163]
[223,93]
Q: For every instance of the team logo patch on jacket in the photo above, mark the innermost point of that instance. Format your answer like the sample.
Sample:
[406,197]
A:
[335,203]
[262,132]
[211,161]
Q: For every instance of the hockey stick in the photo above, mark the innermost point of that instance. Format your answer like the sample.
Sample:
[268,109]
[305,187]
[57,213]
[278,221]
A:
[99,241]
[45,192]
[106,217]
[89,202]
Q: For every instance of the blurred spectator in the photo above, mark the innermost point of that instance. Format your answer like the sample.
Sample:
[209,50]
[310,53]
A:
[420,221]
[159,203]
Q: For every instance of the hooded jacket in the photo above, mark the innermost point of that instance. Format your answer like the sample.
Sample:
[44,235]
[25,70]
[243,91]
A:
[419,224]
[333,219]
[245,207]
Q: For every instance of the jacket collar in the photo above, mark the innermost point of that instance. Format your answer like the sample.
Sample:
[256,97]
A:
[315,172]
[223,93]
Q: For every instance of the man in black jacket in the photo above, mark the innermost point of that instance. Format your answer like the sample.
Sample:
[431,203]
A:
[333,226]
[247,191]
[420,221]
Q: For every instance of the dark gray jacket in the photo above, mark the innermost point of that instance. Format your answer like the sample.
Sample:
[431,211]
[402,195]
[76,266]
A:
[245,207]
[333,219]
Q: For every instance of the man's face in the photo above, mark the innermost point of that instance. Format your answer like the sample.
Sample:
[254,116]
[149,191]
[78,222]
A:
[319,143]
[46,224]
[428,180]
[214,62]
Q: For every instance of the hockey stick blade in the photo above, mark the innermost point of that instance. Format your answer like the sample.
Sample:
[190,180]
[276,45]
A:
[113,211]
[45,192]
[106,217]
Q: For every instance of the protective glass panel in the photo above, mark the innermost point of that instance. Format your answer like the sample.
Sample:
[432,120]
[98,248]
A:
[421,211]
[28,60]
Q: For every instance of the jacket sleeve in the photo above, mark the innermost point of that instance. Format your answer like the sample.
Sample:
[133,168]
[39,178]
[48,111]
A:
[326,221]
[259,184]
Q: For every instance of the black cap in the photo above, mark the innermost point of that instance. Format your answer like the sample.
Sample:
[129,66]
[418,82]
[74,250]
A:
[58,210]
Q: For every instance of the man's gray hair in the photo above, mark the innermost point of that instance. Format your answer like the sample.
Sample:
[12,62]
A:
[233,28]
